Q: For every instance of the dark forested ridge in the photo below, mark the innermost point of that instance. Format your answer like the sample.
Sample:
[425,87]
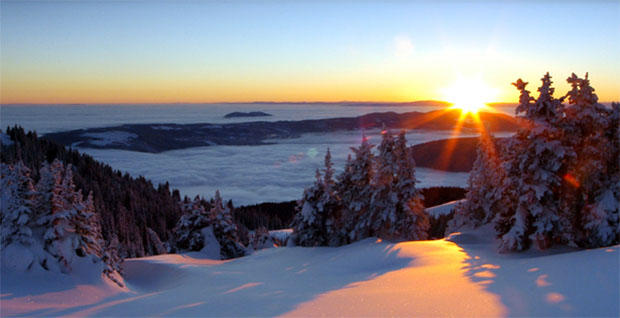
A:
[454,154]
[160,137]
[128,206]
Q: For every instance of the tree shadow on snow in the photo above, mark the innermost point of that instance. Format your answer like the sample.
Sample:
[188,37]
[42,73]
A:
[561,281]
[42,293]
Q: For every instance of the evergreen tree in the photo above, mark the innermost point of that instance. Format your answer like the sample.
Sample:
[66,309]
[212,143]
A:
[411,220]
[356,198]
[331,206]
[156,246]
[260,239]
[533,174]
[16,204]
[483,198]
[126,206]
[192,232]
[225,229]
[328,173]
[381,216]
[188,232]
[59,236]
[309,223]
[593,174]
[344,222]
[546,107]
[63,224]
[113,262]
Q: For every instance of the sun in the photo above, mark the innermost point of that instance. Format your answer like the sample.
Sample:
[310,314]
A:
[470,95]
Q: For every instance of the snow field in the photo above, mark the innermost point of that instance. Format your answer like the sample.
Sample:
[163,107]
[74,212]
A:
[459,276]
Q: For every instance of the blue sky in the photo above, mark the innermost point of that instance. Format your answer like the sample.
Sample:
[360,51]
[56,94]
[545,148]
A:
[296,50]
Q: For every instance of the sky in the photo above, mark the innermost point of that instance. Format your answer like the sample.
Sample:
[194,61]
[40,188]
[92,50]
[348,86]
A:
[223,51]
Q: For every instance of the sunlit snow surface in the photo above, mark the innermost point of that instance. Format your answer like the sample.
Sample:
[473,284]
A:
[462,277]
[245,174]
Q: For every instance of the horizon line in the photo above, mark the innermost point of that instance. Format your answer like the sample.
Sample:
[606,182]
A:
[350,102]
[415,103]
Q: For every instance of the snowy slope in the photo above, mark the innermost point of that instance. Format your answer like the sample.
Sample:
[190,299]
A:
[460,276]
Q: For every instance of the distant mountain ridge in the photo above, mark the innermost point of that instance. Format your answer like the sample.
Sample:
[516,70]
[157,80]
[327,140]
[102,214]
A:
[437,103]
[155,138]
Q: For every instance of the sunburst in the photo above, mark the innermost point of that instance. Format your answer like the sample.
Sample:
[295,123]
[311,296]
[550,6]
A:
[470,95]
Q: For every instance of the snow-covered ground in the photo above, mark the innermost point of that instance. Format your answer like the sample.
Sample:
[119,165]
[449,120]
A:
[459,276]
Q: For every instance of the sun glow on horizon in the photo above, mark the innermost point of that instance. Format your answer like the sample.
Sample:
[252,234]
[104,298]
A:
[470,95]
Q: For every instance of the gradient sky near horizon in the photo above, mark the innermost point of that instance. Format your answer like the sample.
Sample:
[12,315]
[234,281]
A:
[212,51]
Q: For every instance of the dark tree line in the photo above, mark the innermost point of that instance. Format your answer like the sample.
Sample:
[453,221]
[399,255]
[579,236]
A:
[128,206]
[278,215]
[270,215]
[434,196]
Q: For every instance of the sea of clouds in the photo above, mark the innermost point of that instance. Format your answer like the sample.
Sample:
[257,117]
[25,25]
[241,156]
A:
[246,174]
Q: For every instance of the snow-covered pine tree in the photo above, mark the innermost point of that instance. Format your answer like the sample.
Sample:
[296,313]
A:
[382,213]
[225,229]
[411,220]
[50,175]
[483,198]
[355,190]
[16,204]
[70,224]
[589,199]
[328,172]
[111,258]
[309,222]
[546,107]
[188,232]
[613,171]
[87,226]
[59,196]
[344,222]
[526,104]
[90,242]
[156,246]
[330,205]
[260,239]
[533,169]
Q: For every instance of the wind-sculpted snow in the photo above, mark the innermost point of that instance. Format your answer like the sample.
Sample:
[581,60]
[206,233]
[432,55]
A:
[152,138]
[462,277]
